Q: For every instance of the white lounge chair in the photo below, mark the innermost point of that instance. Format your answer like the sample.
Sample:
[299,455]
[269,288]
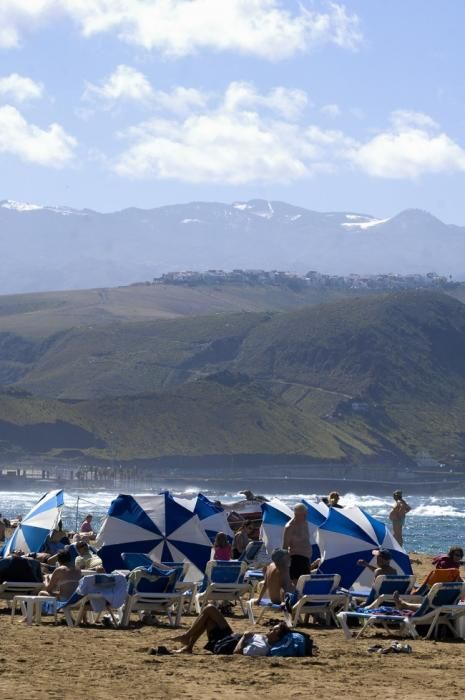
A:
[317,595]
[223,581]
[439,607]
[153,591]
[95,594]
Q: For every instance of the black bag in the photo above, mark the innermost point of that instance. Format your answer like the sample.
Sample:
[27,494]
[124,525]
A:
[311,648]
[227,644]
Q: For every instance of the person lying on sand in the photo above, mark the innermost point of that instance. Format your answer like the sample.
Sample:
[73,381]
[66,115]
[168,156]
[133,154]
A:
[214,624]
[383,563]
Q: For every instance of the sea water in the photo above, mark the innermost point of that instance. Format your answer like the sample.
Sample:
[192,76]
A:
[432,526]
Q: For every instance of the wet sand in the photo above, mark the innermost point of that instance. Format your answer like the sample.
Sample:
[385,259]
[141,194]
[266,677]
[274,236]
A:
[97,663]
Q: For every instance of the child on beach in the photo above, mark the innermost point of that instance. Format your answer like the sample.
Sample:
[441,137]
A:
[222,550]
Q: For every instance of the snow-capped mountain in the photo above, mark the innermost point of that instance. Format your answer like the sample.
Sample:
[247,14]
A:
[52,247]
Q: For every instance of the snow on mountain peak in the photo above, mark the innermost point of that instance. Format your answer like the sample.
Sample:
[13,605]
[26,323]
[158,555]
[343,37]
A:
[19,206]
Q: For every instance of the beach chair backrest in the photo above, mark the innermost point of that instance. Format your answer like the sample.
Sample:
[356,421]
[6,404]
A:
[437,576]
[317,584]
[134,559]
[152,581]
[441,594]
[388,584]
[181,569]
[225,571]
[250,553]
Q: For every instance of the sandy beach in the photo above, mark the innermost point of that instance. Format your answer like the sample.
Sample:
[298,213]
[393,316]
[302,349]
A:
[99,663]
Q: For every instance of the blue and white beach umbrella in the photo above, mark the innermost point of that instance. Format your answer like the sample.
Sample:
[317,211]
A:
[275,515]
[213,517]
[350,534]
[153,525]
[32,532]
[316,516]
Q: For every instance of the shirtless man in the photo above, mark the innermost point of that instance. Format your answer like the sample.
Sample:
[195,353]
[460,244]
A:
[64,579]
[383,563]
[397,515]
[296,541]
[277,579]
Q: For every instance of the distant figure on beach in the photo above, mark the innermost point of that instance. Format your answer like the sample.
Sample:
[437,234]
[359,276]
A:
[2,529]
[296,541]
[333,500]
[397,515]
[383,563]
[277,578]
[64,579]
[222,550]
[86,528]
[451,560]
[86,559]
[214,624]
[241,540]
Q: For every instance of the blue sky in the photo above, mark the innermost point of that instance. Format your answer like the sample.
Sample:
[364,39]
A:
[357,105]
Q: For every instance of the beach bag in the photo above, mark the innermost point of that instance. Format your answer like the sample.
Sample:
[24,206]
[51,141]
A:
[294,644]
[226,645]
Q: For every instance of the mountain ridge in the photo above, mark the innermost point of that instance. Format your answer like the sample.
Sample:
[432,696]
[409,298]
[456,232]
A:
[91,249]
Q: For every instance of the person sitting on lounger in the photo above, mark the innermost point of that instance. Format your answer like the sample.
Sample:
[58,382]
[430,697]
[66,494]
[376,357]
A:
[87,559]
[222,550]
[213,623]
[277,578]
[383,563]
[451,560]
[64,579]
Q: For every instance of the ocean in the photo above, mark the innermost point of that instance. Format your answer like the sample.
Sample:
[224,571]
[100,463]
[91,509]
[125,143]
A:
[432,526]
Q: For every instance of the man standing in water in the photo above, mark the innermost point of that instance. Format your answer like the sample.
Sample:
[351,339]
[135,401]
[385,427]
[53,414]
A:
[397,515]
[297,542]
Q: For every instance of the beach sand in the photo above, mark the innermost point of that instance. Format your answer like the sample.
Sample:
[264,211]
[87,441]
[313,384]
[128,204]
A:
[97,663]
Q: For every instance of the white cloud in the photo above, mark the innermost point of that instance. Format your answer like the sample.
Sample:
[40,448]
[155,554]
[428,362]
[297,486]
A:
[413,146]
[20,88]
[331,110]
[125,83]
[287,102]
[129,84]
[265,28]
[51,147]
[229,144]
[180,99]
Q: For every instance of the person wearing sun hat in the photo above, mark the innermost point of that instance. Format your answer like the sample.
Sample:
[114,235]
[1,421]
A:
[383,563]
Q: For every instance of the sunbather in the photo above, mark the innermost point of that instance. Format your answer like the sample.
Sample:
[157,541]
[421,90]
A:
[277,578]
[87,559]
[214,624]
[383,563]
[451,560]
[64,579]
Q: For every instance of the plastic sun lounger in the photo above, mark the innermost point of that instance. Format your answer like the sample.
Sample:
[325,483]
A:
[224,580]
[385,586]
[95,594]
[154,591]
[440,606]
[264,604]
[317,594]
[10,589]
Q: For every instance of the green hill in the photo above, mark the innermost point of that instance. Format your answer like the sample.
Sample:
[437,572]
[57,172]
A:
[376,378]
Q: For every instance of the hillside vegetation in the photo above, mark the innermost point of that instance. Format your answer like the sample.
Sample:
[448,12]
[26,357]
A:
[379,377]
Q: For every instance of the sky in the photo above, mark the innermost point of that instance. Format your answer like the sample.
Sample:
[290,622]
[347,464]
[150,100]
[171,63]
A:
[334,106]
